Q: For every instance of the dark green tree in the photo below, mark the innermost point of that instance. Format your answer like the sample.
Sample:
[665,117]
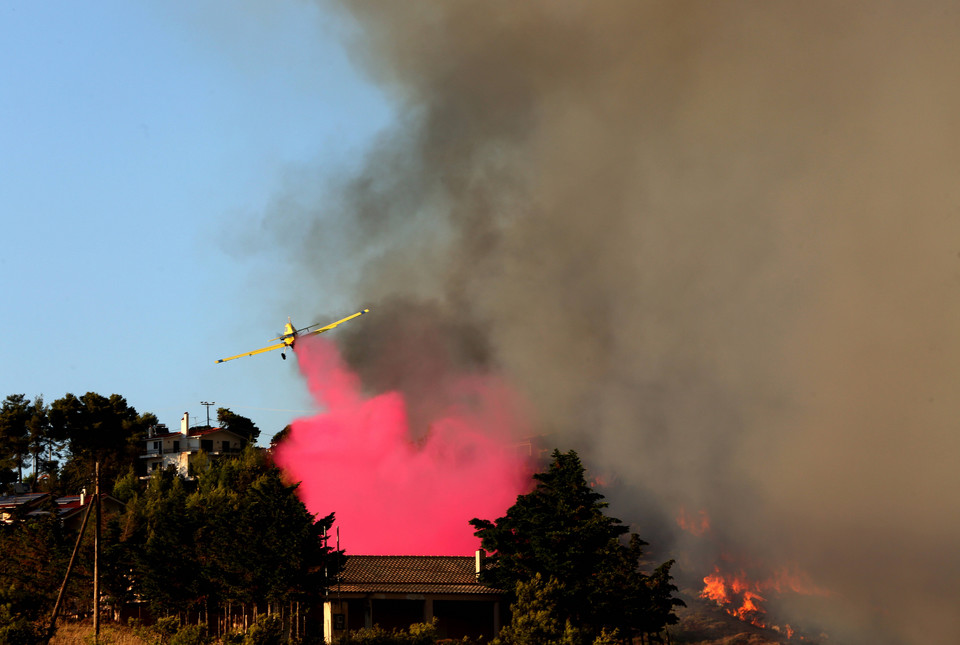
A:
[660,612]
[535,619]
[35,551]
[96,427]
[237,536]
[15,413]
[268,548]
[280,437]
[239,424]
[559,531]
[155,540]
[43,446]
[26,440]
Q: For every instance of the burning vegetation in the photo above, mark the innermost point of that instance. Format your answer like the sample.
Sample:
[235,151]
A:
[742,587]
[744,597]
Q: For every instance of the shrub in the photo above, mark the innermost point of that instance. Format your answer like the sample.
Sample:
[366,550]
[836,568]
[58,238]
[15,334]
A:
[189,635]
[268,630]
[19,631]
[166,627]
[417,634]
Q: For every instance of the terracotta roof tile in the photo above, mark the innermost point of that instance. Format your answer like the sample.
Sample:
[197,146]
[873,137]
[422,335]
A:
[370,588]
[166,435]
[199,432]
[70,502]
[411,574]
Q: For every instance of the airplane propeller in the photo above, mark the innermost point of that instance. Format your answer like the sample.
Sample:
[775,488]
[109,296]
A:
[287,338]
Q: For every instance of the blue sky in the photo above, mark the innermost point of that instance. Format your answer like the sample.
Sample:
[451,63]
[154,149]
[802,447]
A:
[140,146]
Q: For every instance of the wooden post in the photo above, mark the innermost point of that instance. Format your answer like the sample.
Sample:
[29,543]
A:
[66,578]
[96,555]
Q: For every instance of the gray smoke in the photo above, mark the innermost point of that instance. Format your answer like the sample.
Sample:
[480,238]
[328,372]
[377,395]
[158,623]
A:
[717,247]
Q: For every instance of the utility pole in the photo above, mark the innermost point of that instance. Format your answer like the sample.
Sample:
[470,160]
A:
[92,505]
[56,607]
[96,554]
[208,410]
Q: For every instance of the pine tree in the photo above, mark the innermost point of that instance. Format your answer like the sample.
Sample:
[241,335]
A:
[239,424]
[559,532]
[15,414]
[101,428]
[240,538]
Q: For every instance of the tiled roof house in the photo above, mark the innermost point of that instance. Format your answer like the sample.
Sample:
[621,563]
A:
[12,506]
[69,509]
[395,591]
[72,507]
[179,449]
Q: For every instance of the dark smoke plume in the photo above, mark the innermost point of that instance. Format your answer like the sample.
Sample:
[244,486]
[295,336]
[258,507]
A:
[715,244]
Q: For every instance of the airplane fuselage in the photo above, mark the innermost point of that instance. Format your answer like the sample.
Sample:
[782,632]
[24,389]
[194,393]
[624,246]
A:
[289,335]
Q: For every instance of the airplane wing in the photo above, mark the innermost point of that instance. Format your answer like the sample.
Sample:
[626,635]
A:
[256,351]
[284,344]
[334,324]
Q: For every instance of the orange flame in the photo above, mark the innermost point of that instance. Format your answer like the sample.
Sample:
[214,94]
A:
[741,597]
[715,589]
[735,594]
[750,606]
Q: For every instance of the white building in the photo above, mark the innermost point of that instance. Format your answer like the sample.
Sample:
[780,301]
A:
[180,449]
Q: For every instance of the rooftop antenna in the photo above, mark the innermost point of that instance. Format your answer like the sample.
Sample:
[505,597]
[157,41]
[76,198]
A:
[208,410]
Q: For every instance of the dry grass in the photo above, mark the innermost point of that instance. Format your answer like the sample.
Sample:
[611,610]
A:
[82,634]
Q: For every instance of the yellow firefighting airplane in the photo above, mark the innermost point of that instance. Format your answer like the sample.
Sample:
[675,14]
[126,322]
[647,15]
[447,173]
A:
[290,336]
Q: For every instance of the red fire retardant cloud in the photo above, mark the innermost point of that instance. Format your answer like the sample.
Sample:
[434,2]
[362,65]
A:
[391,495]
